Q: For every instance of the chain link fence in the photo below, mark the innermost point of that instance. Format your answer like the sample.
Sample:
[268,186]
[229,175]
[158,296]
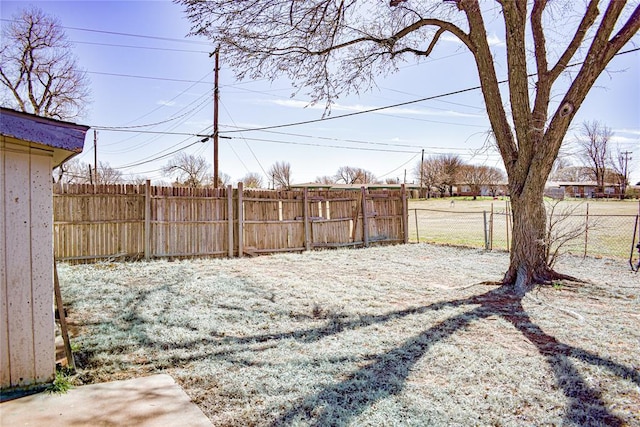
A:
[571,231]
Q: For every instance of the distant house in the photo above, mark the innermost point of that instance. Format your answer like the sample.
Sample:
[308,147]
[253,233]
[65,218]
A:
[483,190]
[30,147]
[587,189]
[318,186]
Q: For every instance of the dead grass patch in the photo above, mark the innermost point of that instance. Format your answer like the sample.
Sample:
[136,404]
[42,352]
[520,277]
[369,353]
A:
[403,335]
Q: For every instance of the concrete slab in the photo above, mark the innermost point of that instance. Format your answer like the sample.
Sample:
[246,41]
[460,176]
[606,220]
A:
[153,401]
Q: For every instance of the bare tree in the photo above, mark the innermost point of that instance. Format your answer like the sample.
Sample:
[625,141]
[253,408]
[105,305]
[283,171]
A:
[326,179]
[620,166]
[572,174]
[429,174]
[189,170]
[451,165]
[354,175]
[495,179]
[38,71]
[224,179]
[329,48]
[137,180]
[107,175]
[479,177]
[252,180]
[72,172]
[476,177]
[280,173]
[441,172]
[594,143]
[75,171]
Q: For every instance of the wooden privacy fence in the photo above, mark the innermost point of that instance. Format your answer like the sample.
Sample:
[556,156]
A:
[93,222]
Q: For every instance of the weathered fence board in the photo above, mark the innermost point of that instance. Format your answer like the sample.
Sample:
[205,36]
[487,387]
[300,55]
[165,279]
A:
[100,222]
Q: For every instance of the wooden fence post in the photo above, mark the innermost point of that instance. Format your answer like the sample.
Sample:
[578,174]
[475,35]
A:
[305,216]
[365,222]
[405,215]
[230,219]
[147,220]
[240,222]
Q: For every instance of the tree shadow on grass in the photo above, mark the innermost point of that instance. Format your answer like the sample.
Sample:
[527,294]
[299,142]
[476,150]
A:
[387,373]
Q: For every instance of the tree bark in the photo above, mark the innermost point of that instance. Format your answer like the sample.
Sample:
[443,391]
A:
[527,259]
[527,132]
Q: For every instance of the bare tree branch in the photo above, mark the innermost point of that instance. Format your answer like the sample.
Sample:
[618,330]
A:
[38,70]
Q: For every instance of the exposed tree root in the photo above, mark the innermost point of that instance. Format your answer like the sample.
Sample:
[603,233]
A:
[524,281]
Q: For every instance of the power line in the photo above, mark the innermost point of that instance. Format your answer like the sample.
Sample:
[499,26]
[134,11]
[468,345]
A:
[400,104]
[355,141]
[175,97]
[170,119]
[145,77]
[166,49]
[143,36]
[156,132]
[324,145]
[356,113]
[392,171]
[158,157]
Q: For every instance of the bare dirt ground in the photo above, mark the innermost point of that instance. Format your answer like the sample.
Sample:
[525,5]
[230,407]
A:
[400,335]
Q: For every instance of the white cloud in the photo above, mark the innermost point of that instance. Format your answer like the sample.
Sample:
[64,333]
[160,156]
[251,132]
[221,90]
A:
[166,103]
[493,39]
[624,140]
[627,131]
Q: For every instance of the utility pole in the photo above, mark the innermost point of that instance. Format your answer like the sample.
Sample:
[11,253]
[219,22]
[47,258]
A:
[216,69]
[625,172]
[95,156]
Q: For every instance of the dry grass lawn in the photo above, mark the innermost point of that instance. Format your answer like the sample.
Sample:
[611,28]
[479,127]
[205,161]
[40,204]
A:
[461,222]
[404,335]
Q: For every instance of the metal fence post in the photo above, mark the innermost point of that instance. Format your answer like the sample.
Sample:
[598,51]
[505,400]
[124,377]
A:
[586,232]
[491,229]
[415,211]
[486,231]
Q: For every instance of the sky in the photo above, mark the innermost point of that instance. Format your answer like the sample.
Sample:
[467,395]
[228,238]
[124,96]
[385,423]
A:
[152,91]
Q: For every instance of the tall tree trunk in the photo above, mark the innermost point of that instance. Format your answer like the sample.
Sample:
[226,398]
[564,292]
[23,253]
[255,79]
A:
[527,264]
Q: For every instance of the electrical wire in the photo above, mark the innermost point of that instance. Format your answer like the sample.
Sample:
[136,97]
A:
[392,171]
[400,104]
[158,157]
[166,79]
[170,119]
[143,36]
[275,141]
[246,143]
[166,49]
[355,141]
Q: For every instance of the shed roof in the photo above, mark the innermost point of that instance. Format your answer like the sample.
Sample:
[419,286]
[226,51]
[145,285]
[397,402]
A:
[52,133]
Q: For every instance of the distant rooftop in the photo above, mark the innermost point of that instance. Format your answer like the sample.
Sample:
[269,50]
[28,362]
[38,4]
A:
[318,186]
[43,131]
